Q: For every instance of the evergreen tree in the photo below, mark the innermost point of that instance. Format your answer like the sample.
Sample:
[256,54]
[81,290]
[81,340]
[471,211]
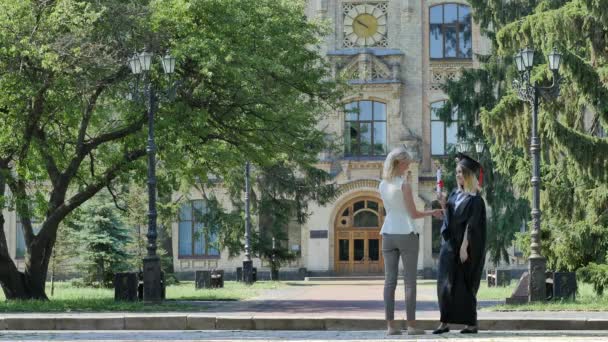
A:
[64,253]
[280,196]
[136,217]
[103,236]
[574,162]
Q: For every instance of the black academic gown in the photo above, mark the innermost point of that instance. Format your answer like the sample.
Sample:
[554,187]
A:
[457,283]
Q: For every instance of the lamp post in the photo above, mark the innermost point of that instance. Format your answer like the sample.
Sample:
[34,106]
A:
[247,263]
[479,147]
[529,92]
[140,65]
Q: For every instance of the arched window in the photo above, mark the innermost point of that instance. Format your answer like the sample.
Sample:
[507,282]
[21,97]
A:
[450,34]
[443,135]
[365,214]
[365,129]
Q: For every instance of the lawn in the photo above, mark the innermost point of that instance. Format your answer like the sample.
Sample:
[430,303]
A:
[68,298]
[495,293]
[586,300]
[485,292]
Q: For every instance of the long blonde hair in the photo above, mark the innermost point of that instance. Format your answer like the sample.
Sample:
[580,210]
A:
[471,184]
[392,159]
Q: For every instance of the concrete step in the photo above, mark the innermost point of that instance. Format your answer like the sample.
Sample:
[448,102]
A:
[185,321]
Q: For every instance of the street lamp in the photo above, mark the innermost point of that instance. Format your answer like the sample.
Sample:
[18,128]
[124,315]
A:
[529,92]
[141,63]
[247,263]
[479,147]
[463,146]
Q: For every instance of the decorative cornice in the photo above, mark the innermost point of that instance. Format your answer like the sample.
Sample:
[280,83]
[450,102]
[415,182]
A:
[357,184]
[451,64]
[378,52]
[352,164]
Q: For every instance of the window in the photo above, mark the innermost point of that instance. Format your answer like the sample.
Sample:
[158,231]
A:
[365,214]
[194,240]
[443,135]
[450,31]
[20,245]
[365,129]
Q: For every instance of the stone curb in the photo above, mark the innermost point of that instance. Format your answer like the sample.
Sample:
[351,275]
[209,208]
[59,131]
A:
[197,322]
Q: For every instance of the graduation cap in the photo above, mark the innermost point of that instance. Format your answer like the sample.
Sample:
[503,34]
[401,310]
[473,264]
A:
[470,164]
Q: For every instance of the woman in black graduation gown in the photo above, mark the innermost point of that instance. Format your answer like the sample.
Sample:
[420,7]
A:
[462,254]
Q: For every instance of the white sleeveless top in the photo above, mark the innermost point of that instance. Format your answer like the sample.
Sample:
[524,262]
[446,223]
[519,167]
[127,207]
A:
[397,220]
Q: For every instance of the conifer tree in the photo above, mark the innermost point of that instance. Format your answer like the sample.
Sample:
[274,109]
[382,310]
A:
[574,151]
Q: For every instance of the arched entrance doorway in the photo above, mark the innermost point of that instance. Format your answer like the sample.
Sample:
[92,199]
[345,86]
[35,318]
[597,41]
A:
[358,247]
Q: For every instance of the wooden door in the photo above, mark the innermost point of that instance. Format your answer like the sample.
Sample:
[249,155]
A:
[357,237]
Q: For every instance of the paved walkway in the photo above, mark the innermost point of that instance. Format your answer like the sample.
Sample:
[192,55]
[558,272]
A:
[215,335]
[358,299]
[329,306]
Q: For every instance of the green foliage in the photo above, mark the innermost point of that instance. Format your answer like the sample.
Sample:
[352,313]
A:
[134,198]
[102,236]
[280,196]
[247,88]
[478,90]
[574,162]
[596,274]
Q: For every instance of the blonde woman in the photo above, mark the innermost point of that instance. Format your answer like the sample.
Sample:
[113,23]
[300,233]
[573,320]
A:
[400,238]
[462,252]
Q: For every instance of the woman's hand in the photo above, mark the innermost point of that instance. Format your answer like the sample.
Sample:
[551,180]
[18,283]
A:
[437,213]
[464,255]
[441,199]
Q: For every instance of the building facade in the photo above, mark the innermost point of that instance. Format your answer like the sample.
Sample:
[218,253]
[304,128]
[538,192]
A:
[395,54]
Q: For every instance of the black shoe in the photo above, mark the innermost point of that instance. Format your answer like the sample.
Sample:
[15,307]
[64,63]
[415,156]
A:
[469,331]
[441,330]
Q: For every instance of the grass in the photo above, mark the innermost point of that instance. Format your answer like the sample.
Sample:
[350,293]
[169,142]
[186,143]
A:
[495,293]
[586,300]
[74,299]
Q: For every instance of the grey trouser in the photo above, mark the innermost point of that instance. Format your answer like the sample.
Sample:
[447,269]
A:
[406,247]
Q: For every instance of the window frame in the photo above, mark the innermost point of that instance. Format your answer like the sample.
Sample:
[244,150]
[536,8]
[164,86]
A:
[457,122]
[206,237]
[372,122]
[459,27]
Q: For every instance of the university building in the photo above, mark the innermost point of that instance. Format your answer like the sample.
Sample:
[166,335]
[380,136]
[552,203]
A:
[395,54]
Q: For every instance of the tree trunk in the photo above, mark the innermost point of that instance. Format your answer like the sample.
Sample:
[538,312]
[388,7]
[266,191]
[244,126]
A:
[18,285]
[31,283]
[53,274]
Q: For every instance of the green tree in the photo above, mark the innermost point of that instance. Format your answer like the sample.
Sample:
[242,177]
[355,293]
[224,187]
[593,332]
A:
[280,196]
[63,254]
[102,237]
[475,90]
[283,194]
[134,203]
[248,87]
[574,192]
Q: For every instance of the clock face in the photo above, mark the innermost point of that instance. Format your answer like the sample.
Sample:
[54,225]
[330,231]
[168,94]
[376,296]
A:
[365,25]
